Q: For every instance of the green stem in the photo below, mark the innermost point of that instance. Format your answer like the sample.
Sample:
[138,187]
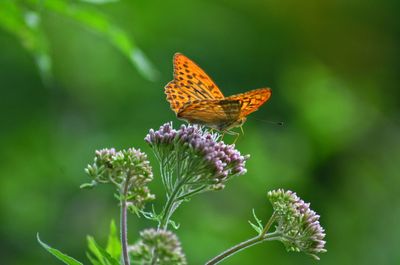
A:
[241,246]
[167,212]
[268,225]
[124,225]
[263,236]
[191,193]
[168,209]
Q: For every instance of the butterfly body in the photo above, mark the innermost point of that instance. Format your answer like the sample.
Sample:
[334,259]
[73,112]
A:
[195,98]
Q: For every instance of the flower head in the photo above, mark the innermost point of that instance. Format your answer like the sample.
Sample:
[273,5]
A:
[162,244]
[298,224]
[128,169]
[196,154]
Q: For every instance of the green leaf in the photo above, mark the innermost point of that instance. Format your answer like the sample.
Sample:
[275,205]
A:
[96,254]
[113,243]
[97,22]
[58,254]
[151,215]
[100,254]
[174,224]
[92,259]
[259,226]
[27,27]
[90,185]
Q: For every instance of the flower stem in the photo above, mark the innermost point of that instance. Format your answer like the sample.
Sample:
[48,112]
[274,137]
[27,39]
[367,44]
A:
[191,193]
[124,226]
[241,246]
[167,212]
[168,209]
[263,236]
[269,223]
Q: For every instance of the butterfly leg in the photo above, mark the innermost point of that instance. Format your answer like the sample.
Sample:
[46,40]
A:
[234,134]
[237,137]
[241,128]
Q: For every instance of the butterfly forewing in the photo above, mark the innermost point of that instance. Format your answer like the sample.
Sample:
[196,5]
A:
[176,96]
[251,100]
[193,79]
[190,83]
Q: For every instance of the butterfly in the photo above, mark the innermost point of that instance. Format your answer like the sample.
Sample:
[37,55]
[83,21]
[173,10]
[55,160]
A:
[195,98]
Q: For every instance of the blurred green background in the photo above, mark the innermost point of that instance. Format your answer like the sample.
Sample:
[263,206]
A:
[77,76]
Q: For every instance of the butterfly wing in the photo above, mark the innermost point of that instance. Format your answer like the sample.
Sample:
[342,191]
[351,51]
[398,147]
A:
[176,96]
[188,74]
[251,100]
[190,83]
[211,112]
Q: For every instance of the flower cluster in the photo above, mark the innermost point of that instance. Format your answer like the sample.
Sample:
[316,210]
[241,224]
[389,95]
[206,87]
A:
[298,224]
[162,246]
[196,153]
[128,169]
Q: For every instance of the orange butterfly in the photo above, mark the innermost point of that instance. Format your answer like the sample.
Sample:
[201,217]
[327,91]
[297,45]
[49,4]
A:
[195,98]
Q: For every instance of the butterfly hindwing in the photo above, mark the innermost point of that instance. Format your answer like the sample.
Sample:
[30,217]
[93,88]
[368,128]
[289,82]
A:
[211,111]
[251,100]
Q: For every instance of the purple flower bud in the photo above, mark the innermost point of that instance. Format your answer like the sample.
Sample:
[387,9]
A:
[125,166]
[299,222]
[211,157]
[163,244]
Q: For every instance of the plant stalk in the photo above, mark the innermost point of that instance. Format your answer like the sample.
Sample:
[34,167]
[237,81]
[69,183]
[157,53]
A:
[269,223]
[168,209]
[241,246]
[263,236]
[124,226]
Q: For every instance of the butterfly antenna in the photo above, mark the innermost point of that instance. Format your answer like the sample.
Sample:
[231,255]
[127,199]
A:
[279,123]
